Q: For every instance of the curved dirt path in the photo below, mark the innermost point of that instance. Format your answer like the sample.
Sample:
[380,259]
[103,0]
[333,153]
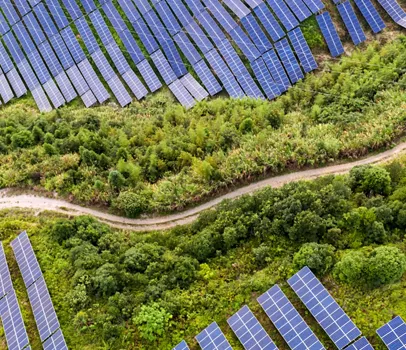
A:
[40,204]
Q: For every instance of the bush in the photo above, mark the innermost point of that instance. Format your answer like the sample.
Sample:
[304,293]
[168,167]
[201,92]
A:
[130,203]
[318,257]
[350,269]
[370,180]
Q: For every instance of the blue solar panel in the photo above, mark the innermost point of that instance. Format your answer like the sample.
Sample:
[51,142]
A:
[34,28]
[276,69]
[77,80]
[393,9]
[94,83]
[4,27]
[324,308]
[253,3]
[187,48]
[206,76]
[289,60]
[88,99]
[269,22]
[55,342]
[118,58]
[57,13]
[119,91]
[195,89]
[168,17]
[62,51]
[164,69]
[149,75]
[45,20]
[143,6]
[212,338]
[330,34]
[237,7]
[265,79]
[351,22]
[288,321]
[6,94]
[103,65]
[183,96]
[180,11]
[224,74]
[12,45]
[195,6]
[9,11]
[100,25]
[65,86]
[249,331]
[181,346]
[299,9]
[211,27]
[28,75]
[73,45]
[199,37]
[26,260]
[114,17]
[360,344]
[50,58]
[256,34]
[145,36]
[22,6]
[16,82]
[244,43]
[89,5]
[23,37]
[131,46]
[41,99]
[314,5]
[43,309]
[371,15]
[73,9]
[5,278]
[284,14]
[221,14]
[13,324]
[5,61]
[302,50]
[130,11]
[135,84]
[393,334]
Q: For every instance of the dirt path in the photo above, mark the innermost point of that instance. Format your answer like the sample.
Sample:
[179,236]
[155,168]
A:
[165,222]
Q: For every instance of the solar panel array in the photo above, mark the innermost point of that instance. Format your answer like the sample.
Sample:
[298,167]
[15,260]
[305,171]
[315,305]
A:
[40,300]
[393,334]
[360,344]
[212,338]
[5,279]
[287,320]
[249,331]
[324,308]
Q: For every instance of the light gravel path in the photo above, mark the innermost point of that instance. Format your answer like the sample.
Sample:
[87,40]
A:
[38,203]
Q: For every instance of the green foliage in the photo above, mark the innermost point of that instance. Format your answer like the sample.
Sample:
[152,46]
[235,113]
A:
[130,203]
[152,321]
[176,157]
[319,257]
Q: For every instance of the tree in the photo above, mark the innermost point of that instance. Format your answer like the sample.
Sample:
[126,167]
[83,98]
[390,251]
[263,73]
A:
[152,321]
[350,269]
[137,258]
[318,257]
[22,139]
[307,227]
[370,180]
[131,203]
[106,280]
[385,265]
[116,179]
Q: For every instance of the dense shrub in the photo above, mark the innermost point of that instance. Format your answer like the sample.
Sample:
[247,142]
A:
[319,257]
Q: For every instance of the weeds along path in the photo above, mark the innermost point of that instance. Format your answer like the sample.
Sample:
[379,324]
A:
[38,203]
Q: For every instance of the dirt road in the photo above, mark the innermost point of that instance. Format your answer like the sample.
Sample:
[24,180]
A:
[165,222]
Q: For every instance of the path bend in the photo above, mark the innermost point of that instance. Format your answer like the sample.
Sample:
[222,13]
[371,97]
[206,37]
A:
[39,203]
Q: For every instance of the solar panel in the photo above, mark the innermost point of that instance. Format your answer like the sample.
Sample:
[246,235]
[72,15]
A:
[167,16]
[211,27]
[180,11]
[195,89]
[253,3]
[65,86]
[145,36]
[206,76]
[130,11]
[360,344]
[103,65]
[4,27]
[73,45]
[302,50]
[13,324]
[143,6]
[249,331]
[53,93]
[73,9]
[5,61]
[265,79]
[284,14]
[43,309]
[34,28]
[276,69]
[86,35]
[187,48]
[212,338]
[55,342]
[238,8]
[118,58]
[5,90]
[195,6]
[77,80]
[16,82]
[5,278]
[94,83]
[89,5]
[393,334]
[100,25]
[41,99]
[269,22]
[26,260]
[324,308]
[119,91]
[9,11]
[330,34]
[244,43]
[22,6]
[114,17]
[287,320]
[181,346]
[371,15]
[131,46]
[23,37]
[183,96]
[199,37]
[289,60]
[57,13]
[299,9]
[351,22]
[161,63]
[314,5]
[221,14]
[135,84]
[393,9]
[256,33]
[62,51]
[149,76]
[89,99]
[45,20]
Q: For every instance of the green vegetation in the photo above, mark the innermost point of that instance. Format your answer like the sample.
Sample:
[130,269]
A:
[155,156]
[116,289]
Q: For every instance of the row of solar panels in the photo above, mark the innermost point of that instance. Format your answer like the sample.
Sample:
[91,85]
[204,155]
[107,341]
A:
[54,66]
[294,330]
[40,300]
